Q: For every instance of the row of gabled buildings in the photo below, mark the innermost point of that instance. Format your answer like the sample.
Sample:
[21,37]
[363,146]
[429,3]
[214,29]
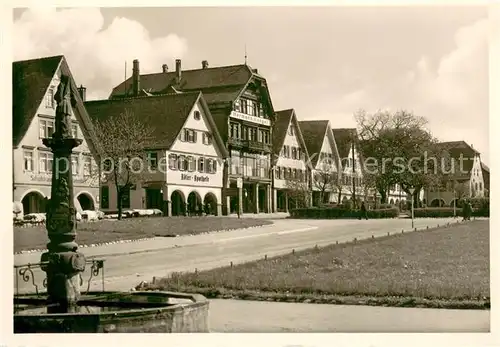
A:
[216,129]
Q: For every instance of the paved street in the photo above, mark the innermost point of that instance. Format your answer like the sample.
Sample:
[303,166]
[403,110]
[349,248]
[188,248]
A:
[129,263]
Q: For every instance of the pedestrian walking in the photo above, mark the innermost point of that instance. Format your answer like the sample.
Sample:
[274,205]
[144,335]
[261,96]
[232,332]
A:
[469,209]
[364,212]
[466,210]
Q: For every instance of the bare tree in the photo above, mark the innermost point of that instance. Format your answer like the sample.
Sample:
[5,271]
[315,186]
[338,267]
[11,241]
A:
[461,189]
[325,178]
[299,191]
[123,140]
[401,151]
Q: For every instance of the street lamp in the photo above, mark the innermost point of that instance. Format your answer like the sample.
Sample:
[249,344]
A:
[454,203]
[411,190]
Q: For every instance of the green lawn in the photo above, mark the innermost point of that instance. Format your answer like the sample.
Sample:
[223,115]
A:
[444,267]
[29,238]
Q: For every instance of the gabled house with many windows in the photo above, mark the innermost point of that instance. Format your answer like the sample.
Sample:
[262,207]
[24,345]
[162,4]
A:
[352,186]
[239,101]
[185,155]
[463,178]
[292,168]
[34,84]
[324,160]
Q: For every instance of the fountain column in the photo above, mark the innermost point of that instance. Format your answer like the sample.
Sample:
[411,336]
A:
[62,262]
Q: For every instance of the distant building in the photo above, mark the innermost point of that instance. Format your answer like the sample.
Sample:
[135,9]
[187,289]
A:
[292,167]
[486,179]
[185,140]
[239,102]
[462,179]
[324,160]
[34,84]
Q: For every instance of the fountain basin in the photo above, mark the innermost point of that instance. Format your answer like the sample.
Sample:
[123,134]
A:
[115,312]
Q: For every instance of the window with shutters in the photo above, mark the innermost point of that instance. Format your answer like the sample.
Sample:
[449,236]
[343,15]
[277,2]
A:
[201,164]
[182,163]
[188,135]
[191,163]
[172,162]
[207,138]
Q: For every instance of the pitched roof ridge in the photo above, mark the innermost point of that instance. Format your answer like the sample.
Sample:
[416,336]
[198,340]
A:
[314,121]
[157,96]
[189,70]
[343,128]
[38,59]
[286,110]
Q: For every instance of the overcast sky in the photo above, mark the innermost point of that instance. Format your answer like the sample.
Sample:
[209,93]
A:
[326,63]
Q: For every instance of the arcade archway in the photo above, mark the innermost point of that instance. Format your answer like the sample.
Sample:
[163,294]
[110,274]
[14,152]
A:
[194,205]
[178,203]
[86,202]
[210,204]
[437,203]
[33,202]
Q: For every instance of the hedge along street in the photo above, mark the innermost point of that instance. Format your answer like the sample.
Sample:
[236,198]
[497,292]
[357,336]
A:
[445,267]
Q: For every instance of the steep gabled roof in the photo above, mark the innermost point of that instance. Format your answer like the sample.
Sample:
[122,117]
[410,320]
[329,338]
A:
[344,138]
[486,175]
[198,79]
[282,122]
[30,81]
[485,168]
[166,114]
[457,149]
[314,132]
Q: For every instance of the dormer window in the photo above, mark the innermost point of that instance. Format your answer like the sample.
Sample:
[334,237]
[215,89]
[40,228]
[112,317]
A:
[152,160]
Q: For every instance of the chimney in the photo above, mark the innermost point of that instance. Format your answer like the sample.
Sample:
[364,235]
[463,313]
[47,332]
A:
[164,68]
[136,78]
[82,91]
[204,64]
[178,69]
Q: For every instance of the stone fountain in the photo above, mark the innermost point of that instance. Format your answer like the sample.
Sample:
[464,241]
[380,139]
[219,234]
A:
[63,308]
